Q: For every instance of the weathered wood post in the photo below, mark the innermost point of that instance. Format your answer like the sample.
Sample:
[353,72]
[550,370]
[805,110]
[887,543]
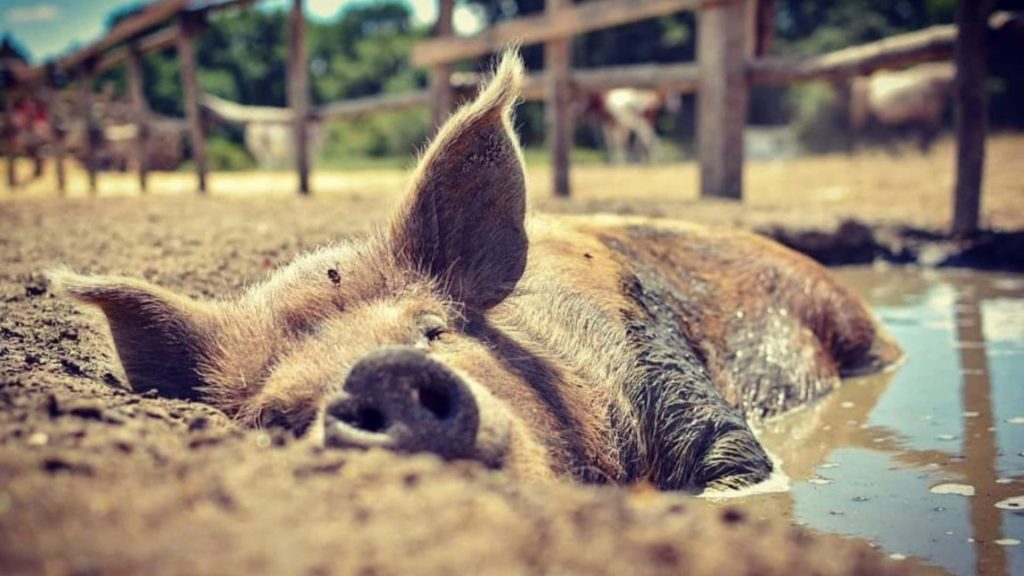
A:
[59,120]
[971,113]
[91,130]
[558,105]
[187,27]
[721,98]
[298,92]
[141,112]
[9,134]
[442,98]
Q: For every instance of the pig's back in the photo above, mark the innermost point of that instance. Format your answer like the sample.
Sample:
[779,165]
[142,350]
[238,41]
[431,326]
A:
[773,328]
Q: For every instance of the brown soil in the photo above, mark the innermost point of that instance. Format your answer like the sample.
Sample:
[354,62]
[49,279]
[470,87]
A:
[95,479]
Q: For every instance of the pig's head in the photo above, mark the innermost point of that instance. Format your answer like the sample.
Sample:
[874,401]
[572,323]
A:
[370,343]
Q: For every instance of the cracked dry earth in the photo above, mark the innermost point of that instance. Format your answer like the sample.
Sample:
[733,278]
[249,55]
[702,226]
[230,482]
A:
[97,480]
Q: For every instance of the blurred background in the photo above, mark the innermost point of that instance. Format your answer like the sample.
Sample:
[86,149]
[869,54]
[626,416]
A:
[358,49]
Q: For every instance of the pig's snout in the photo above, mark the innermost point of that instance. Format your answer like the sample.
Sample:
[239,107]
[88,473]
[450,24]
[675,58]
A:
[401,399]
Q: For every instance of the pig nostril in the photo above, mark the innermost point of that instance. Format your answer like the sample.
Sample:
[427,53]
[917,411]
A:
[437,402]
[367,419]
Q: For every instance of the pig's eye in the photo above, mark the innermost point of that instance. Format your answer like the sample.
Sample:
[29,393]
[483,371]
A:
[434,327]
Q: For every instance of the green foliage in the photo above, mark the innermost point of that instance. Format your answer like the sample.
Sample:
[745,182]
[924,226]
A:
[398,134]
[226,155]
[819,120]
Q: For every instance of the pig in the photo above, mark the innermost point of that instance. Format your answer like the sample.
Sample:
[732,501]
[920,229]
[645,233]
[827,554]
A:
[600,349]
[913,99]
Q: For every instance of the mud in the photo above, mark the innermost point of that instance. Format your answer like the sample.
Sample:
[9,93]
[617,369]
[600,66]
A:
[95,479]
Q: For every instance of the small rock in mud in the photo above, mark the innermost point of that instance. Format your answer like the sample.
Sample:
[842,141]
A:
[157,413]
[201,440]
[38,439]
[35,287]
[325,468]
[199,423]
[71,368]
[55,464]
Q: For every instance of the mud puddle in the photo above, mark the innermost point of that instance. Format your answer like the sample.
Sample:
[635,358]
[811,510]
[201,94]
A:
[926,462]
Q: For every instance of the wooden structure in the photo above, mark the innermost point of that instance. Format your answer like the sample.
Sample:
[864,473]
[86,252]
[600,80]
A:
[730,58]
[733,38]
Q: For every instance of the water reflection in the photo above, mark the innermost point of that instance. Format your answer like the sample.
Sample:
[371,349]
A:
[895,458]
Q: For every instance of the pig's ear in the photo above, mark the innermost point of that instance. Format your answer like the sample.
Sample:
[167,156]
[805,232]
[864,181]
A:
[462,220]
[160,336]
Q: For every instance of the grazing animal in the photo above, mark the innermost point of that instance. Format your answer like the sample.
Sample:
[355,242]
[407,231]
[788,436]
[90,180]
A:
[906,100]
[268,131]
[597,348]
[630,113]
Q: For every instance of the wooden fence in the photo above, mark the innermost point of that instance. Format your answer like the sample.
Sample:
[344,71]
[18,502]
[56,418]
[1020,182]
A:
[733,35]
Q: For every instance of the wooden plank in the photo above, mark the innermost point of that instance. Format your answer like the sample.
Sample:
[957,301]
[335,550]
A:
[765,27]
[9,143]
[91,137]
[57,137]
[442,98]
[722,99]
[243,114]
[298,92]
[373,104]
[929,44]
[567,23]
[353,108]
[141,112]
[152,15]
[750,28]
[156,42]
[971,110]
[681,78]
[190,84]
[558,105]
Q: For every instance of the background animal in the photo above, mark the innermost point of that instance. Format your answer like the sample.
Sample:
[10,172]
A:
[268,132]
[908,101]
[628,117]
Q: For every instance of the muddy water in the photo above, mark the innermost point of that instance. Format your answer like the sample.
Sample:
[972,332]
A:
[924,461]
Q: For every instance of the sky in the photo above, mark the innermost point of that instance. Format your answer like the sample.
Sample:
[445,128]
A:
[48,28]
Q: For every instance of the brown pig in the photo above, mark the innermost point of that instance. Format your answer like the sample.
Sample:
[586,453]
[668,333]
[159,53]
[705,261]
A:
[596,348]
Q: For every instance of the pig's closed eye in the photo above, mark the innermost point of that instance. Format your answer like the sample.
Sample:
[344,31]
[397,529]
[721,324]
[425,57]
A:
[434,327]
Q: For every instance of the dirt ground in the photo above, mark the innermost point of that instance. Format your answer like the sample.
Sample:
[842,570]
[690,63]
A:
[97,480]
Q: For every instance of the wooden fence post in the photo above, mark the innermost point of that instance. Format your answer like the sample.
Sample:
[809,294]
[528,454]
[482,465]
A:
[141,112]
[442,99]
[971,114]
[190,83]
[58,130]
[9,144]
[722,98]
[298,92]
[558,108]
[91,131]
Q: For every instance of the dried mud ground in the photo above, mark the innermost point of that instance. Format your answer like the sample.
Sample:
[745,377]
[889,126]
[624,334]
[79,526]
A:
[97,480]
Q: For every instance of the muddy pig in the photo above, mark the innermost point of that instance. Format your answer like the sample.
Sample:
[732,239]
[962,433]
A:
[598,348]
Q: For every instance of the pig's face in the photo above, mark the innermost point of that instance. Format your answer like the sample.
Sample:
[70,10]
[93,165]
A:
[373,343]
